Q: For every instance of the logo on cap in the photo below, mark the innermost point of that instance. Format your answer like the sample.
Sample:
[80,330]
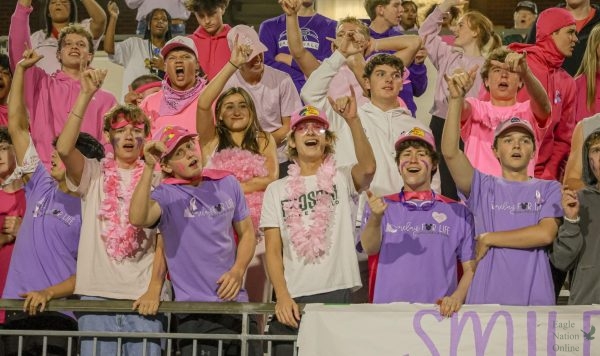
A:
[309,111]
[416,131]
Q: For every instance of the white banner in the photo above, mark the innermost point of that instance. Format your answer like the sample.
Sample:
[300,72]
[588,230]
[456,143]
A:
[401,329]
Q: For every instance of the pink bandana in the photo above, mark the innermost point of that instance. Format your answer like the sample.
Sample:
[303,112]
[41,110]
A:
[174,101]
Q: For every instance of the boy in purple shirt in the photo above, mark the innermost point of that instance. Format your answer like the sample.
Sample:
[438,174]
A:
[197,212]
[419,235]
[45,253]
[516,216]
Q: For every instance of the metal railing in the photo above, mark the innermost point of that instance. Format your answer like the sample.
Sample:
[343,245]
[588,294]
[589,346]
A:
[124,306]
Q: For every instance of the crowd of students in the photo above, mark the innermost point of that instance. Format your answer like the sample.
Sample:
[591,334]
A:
[236,159]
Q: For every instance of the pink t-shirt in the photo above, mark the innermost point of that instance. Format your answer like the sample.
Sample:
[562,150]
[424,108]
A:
[186,118]
[477,132]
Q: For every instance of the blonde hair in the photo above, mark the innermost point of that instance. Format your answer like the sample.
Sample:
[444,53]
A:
[292,152]
[487,39]
[362,28]
[589,67]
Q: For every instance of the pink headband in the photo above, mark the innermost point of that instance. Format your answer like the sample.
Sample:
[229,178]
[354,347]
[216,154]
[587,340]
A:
[147,86]
[122,122]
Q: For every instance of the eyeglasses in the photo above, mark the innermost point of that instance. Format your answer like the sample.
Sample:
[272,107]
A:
[316,127]
[412,205]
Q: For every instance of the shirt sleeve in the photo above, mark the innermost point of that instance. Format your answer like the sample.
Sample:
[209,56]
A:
[91,170]
[29,165]
[437,49]
[241,207]
[467,250]
[269,216]
[551,201]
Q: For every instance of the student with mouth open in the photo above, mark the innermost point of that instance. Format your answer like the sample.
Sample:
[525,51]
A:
[516,216]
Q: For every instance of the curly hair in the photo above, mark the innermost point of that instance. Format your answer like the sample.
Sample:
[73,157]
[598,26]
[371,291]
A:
[132,113]
[78,30]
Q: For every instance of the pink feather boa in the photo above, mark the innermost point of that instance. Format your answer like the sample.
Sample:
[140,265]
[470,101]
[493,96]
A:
[244,165]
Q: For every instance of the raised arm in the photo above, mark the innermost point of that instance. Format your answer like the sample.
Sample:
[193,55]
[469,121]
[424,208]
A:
[405,46]
[540,103]
[205,122]
[18,118]
[364,170]
[303,57]
[91,80]
[109,36]
[568,245]
[144,211]
[98,16]
[459,165]
[370,238]
[19,35]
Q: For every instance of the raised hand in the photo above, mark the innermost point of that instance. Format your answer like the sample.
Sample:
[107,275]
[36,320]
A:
[30,58]
[376,204]
[240,53]
[460,82]
[113,9]
[91,79]
[514,62]
[290,7]
[153,151]
[351,43]
[570,202]
[345,106]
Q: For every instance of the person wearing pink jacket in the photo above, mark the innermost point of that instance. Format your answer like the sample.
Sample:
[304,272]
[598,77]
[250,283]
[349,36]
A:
[50,97]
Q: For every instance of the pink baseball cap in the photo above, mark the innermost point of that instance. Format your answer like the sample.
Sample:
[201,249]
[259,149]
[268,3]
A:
[512,123]
[248,36]
[308,112]
[171,136]
[416,133]
[179,42]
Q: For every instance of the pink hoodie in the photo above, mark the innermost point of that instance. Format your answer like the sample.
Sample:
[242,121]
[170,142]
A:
[213,51]
[49,98]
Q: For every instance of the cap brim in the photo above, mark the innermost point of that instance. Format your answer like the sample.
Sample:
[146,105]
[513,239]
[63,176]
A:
[190,135]
[316,118]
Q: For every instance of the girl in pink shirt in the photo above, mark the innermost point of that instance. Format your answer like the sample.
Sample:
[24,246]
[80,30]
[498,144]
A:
[504,73]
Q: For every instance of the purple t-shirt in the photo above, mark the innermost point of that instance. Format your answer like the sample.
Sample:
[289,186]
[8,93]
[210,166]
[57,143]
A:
[197,228]
[505,275]
[46,248]
[419,251]
[315,30]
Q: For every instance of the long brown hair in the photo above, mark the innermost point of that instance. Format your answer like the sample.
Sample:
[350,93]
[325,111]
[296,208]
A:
[253,132]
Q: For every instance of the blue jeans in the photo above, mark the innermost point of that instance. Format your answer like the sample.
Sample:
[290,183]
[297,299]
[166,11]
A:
[176,30]
[111,322]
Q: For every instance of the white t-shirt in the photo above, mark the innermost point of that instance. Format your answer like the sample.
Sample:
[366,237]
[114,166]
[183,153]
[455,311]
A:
[131,54]
[338,268]
[97,273]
